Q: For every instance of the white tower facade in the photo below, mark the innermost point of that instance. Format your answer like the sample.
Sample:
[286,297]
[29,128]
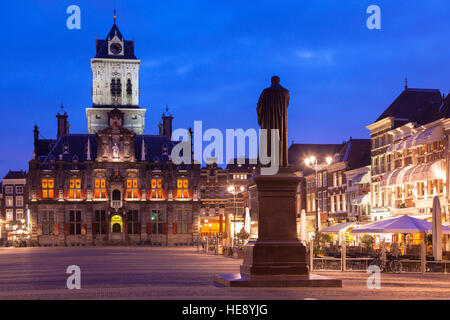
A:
[115,83]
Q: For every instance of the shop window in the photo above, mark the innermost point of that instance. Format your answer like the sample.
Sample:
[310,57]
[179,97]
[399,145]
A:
[182,188]
[48,186]
[100,188]
[157,188]
[75,188]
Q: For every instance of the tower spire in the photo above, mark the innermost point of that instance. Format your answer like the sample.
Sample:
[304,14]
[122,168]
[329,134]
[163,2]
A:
[406,83]
[115,15]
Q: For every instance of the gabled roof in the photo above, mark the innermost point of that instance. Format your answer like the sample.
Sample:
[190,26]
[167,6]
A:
[356,152]
[15,175]
[444,108]
[417,105]
[102,46]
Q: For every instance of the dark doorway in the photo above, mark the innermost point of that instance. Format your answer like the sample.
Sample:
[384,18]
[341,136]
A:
[116,227]
[116,195]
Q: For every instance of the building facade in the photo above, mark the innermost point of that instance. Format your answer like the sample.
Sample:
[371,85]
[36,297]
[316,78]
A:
[113,184]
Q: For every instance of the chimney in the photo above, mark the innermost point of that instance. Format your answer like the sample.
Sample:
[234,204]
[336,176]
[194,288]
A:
[63,124]
[167,123]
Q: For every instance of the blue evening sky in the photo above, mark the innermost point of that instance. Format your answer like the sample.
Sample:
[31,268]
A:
[209,60]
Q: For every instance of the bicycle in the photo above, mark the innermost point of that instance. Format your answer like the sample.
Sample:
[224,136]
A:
[392,264]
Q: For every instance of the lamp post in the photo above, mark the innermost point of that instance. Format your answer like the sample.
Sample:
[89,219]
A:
[234,191]
[312,162]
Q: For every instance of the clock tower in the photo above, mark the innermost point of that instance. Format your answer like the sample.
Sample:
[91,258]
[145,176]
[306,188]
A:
[115,83]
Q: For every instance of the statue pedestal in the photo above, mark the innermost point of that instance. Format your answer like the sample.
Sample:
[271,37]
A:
[275,258]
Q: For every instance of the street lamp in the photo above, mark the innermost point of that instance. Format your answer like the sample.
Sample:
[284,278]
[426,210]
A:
[234,192]
[312,162]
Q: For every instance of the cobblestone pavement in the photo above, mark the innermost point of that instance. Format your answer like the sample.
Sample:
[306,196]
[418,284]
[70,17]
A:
[176,273]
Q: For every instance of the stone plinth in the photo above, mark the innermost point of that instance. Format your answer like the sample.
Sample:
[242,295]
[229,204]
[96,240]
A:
[274,257]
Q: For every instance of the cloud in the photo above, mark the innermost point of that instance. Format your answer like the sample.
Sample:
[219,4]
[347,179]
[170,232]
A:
[315,58]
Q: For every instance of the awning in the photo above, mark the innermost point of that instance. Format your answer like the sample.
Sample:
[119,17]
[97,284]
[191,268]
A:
[394,177]
[425,172]
[424,137]
[340,227]
[361,178]
[361,199]
[418,139]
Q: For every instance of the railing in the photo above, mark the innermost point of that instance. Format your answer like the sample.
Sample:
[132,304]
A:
[361,264]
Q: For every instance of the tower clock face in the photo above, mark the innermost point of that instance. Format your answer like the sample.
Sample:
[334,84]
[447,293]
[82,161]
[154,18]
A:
[115,48]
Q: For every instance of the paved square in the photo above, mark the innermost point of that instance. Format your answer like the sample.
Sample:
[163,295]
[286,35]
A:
[175,273]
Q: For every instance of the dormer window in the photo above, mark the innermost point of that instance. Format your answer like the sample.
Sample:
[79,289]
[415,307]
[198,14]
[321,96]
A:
[66,149]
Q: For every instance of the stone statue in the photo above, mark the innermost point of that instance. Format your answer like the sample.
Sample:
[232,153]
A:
[272,114]
[115,151]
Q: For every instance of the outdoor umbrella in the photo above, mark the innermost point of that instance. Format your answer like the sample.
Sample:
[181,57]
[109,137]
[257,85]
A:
[404,224]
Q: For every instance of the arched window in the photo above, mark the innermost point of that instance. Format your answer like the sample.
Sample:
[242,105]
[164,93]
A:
[116,195]
[129,87]
[116,87]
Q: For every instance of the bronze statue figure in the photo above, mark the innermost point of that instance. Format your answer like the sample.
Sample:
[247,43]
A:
[272,114]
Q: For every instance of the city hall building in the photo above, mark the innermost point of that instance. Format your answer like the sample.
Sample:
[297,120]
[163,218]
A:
[114,184]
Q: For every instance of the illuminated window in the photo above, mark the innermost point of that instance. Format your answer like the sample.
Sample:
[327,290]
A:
[75,188]
[48,186]
[100,188]
[182,188]
[132,188]
[157,188]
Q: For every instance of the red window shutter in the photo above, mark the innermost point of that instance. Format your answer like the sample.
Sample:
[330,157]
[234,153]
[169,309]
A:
[126,227]
[83,194]
[174,227]
[149,228]
[66,194]
[66,229]
[56,229]
[55,194]
[164,193]
[149,193]
[174,193]
[139,228]
[191,193]
[107,228]
[190,228]
[39,194]
[93,228]
[165,228]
